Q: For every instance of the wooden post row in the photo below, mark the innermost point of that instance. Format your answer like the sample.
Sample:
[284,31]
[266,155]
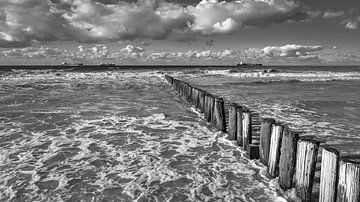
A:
[293,160]
[287,158]
[265,137]
[275,146]
[306,155]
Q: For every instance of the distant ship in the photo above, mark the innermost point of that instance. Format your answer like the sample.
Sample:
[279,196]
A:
[243,64]
[67,64]
[107,64]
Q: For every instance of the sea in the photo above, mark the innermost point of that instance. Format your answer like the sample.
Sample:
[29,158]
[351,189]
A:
[115,134]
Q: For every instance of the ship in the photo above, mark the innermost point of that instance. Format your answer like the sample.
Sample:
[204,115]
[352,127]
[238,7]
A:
[107,64]
[243,64]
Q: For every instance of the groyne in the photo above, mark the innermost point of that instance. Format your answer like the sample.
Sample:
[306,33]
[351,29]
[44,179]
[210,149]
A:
[287,156]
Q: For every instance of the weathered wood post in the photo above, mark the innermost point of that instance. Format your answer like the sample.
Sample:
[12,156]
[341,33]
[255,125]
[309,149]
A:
[211,104]
[232,129]
[239,126]
[208,107]
[265,137]
[246,128]
[184,90]
[181,84]
[195,97]
[219,115]
[201,104]
[188,93]
[275,146]
[287,158]
[177,87]
[306,156]
[329,175]
[349,181]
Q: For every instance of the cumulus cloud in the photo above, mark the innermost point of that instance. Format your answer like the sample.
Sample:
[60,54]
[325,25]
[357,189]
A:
[204,55]
[211,16]
[290,50]
[351,24]
[133,51]
[34,53]
[27,21]
[290,53]
[286,53]
[333,14]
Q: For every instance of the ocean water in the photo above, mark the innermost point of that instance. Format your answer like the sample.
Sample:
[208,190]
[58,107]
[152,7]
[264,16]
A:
[115,136]
[124,135]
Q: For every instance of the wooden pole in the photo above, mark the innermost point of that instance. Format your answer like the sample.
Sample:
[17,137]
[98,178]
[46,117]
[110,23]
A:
[246,128]
[306,156]
[201,104]
[287,159]
[349,181]
[265,137]
[329,175]
[275,146]
[184,90]
[206,106]
[188,93]
[176,82]
[195,97]
[232,130]
[181,88]
[239,126]
[209,105]
[219,115]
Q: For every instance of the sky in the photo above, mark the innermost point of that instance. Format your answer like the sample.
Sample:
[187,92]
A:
[272,32]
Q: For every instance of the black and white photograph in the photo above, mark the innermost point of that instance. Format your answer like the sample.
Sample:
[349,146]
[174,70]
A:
[180,100]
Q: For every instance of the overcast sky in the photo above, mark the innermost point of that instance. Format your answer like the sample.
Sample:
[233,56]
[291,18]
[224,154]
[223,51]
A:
[318,32]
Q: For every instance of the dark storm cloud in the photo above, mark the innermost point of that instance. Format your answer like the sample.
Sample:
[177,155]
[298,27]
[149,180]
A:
[23,22]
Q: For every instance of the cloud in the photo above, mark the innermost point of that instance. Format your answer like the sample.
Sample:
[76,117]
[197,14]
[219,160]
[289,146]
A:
[292,53]
[290,50]
[351,24]
[225,17]
[133,51]
[191,55]
[94,54]
[25,22]
[34,53]
[333,14]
